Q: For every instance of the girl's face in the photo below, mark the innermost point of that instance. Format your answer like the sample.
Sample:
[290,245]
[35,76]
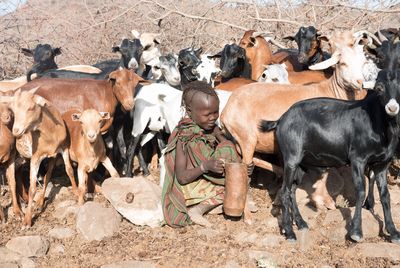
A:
[204,110]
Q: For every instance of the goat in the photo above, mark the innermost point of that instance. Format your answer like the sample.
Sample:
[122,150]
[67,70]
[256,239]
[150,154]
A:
[250,103]
[87,146]
[369,134]
[166,70]
[7,154]
[278,73]
[40,133]
[207,70]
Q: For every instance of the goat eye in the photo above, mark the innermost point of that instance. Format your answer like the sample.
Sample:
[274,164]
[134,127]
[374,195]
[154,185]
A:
[147,47]
[264,76]
[343,64]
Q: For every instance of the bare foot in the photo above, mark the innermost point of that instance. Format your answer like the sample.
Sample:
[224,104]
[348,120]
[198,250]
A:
[196,215]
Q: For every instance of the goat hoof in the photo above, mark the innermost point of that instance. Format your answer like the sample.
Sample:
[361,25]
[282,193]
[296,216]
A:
[290,236]
[356,237]
[302,226]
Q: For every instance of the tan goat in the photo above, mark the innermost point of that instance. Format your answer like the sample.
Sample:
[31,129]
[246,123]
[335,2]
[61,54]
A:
[7,156]
[87,146]
[40,133]
[251,103]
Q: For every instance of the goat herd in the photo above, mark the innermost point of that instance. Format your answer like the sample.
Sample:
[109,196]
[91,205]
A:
[107,112]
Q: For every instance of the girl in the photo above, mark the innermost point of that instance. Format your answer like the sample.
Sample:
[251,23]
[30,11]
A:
[194,159]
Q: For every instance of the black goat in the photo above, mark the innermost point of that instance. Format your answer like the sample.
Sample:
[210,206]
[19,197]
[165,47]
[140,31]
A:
[321,133]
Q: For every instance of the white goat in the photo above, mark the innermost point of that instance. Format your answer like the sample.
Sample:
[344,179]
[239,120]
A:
[207,70]
[275,73]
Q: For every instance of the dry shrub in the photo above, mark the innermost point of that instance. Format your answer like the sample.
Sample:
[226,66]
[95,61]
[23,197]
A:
[87,29]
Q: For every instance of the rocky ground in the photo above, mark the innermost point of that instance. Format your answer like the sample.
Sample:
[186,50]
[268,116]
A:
[64,235]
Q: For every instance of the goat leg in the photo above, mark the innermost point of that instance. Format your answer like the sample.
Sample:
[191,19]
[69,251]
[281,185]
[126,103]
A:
[358,180]
[130,155]
[40,203]
[34,169]
[10,174]
[381,180]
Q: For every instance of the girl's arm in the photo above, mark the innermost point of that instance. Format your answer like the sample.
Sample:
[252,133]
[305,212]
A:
[185,175]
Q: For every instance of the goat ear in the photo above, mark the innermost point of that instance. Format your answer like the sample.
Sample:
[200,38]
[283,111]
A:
[218,55]
[40,100]
[33,90]
[76,116]
[57,51]
[115,49]
[253,42]
[323,38]
[198,52]
[290,38]
[105,115]
[27,52]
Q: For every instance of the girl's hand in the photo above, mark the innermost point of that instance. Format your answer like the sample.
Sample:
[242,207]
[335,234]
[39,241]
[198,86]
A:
[216,166]
[217,132]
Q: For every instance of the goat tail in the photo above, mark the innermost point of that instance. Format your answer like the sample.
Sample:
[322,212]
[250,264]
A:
[266,126]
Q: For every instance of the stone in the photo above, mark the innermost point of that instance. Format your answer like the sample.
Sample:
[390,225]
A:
[337,233]
[27,263]
[49,189]
[61,233]
[378,250]
[129,264]
[144,206]
[29,246]
[65,204]
[7,255]
[95,222]
[65,208]
[57,249]
[334,216]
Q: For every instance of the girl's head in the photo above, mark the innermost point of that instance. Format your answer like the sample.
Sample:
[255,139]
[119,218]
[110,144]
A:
[201,103]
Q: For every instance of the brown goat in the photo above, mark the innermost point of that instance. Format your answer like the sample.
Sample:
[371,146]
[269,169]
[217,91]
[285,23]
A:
[7,155]
[251,103]
[81,94]
[40,133]
[87,146]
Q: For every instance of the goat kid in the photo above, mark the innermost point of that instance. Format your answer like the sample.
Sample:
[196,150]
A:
[87,146]
[369,134]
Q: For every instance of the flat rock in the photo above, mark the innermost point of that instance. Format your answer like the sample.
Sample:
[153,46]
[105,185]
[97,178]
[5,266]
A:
[29,246]
[378,250]
[61,233]
[137,199]
[57,249]
[65,208]
[7,255]
[129,264]
[95,222]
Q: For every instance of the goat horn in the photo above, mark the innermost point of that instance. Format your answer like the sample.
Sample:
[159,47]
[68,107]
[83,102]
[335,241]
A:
[358,35]
[326,63]
[381,36]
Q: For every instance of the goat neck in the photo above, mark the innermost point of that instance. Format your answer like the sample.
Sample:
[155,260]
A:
[339,91]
